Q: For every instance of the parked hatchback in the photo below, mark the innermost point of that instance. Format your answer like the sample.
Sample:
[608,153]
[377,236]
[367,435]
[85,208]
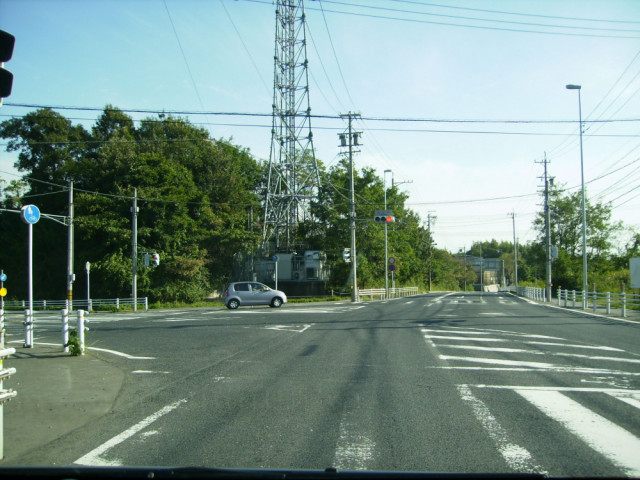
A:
[252,293]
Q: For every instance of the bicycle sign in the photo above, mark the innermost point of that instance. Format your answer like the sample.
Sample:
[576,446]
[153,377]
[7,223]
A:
[30,214]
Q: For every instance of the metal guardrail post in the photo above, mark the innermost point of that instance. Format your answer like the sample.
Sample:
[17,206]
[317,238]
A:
[595,301]
[574,299]
[624,304]
[608,303]
[65,330]
[117,304]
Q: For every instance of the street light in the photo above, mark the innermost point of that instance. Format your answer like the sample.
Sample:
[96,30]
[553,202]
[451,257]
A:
[584,204]
[386,244]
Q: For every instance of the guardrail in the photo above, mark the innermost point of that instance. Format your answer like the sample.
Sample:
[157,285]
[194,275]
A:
[76,304]
[393,292]
[593,299]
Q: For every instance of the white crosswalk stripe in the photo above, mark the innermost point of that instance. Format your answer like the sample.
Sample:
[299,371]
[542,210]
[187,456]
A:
[600,377]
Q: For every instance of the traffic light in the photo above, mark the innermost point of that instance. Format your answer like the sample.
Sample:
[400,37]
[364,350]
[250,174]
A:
[155,259]
[7,41]
[383,216]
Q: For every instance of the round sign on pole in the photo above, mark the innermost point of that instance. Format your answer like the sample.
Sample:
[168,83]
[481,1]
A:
[3,277]
[392,260]
[275,258]
[30,214]
[3,291]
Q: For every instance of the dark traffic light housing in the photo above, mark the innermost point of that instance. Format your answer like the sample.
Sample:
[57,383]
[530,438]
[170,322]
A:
[7,42]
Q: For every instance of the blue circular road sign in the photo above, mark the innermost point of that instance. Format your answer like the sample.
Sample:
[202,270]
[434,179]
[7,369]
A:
[3,277]
[30,214]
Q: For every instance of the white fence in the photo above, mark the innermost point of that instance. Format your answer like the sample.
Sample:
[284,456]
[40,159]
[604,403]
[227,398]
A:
[594,299]
[381,293]
[76,304]
[585,300]
[533,293]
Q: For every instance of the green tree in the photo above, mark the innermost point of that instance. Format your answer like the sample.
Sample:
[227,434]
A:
[194,198]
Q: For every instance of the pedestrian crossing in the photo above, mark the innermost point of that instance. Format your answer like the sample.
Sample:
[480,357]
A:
[592,391]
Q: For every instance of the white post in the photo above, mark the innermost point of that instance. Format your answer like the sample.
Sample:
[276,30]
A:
[608,303]
[65,330]
[28,329]
[81,329]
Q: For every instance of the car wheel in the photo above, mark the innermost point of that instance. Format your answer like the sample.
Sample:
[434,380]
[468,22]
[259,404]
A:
[233,304]
[276,302]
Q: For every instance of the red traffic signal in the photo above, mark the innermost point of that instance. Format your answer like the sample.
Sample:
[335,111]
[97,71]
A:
[383,216]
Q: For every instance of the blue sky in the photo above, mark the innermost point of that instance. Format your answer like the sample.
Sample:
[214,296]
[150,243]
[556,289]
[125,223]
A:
[495,62]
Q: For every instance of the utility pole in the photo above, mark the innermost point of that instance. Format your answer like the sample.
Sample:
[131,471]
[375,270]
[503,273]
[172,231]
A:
[429,217]
[70,275]
[134,250]
[547,230]
[515,249]
[352,140]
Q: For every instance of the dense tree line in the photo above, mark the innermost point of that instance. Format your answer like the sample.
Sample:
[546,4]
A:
[199,205]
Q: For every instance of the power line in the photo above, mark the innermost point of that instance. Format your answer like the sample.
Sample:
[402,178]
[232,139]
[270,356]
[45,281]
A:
[321,116]
[501,12]
[479,27]
[492,20]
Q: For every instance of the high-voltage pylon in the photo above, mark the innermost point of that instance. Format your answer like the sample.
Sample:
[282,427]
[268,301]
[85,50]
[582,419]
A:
[293,178]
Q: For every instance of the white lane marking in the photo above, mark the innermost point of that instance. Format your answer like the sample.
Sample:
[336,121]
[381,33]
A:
[289,328]
[533,352]
[611,391]
[182,319]
[354,451]
[488,349]
[570,345]
[120,354]
[496,361]
[553,369]
[611,440]
[611,359]
[630,397]
[94,456]
[517,457]
[462,332]
[494,314]
[149,372]
[474,339]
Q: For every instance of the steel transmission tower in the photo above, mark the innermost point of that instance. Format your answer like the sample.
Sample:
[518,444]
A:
[293,179]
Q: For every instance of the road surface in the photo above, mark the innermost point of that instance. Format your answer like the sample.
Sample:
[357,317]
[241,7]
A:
[439,382]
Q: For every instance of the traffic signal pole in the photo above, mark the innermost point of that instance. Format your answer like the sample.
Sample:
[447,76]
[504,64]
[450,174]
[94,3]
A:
[70,276]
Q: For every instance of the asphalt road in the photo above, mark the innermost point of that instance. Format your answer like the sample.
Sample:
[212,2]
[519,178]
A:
[440,382]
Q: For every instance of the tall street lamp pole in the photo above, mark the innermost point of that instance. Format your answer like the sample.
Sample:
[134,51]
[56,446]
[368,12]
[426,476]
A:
[584,204]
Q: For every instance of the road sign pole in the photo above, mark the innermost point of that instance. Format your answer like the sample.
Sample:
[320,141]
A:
[28,340]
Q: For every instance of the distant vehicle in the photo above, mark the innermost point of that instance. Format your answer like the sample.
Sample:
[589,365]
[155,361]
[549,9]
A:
[252,293]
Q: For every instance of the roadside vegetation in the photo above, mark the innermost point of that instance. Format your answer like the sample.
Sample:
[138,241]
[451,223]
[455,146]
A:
[199,201]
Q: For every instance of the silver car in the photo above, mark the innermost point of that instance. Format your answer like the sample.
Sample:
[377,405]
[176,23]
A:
[252,293]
